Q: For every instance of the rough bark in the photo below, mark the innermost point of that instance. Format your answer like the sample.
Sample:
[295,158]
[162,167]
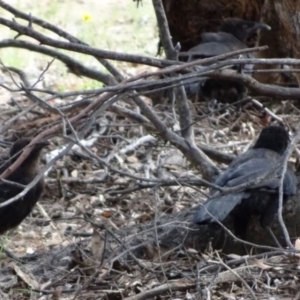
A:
[283,41]
[188,19]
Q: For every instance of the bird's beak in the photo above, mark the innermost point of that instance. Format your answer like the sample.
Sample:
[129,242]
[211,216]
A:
[260,26]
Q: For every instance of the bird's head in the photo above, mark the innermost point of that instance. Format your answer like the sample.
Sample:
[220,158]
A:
[20,144]
[274,138]
[242,29]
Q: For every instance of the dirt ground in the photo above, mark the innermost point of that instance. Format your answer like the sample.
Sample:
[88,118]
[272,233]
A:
[84,194]
[113,25]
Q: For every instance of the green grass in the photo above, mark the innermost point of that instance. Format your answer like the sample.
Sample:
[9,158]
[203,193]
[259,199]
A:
[105,24]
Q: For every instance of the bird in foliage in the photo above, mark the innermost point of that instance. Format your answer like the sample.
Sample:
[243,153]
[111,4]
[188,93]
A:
[13,214]
[260,199]
[232,36]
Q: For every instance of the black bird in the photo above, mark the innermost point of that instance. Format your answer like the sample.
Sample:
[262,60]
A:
[232,36]
[13,214]
[262,199]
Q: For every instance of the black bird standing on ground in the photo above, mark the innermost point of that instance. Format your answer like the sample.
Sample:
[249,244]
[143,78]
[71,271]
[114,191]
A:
[13,214]
[232,36]
[260,200]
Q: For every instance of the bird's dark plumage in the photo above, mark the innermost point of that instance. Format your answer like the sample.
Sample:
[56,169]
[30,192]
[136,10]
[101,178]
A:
[13,214]
[260,199]
[232,36]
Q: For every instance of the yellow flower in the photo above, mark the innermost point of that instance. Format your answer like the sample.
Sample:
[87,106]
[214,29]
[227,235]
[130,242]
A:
[86,18]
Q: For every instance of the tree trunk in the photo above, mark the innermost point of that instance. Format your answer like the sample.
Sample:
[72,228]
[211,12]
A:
[188,19]
[284,39]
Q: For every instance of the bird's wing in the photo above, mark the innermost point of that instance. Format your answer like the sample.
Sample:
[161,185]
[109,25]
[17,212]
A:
[250,171]
[221,37]
[247,167]
[218,208]
[210,49]
[7,191]
[255,167]
[216,43]
[245,171]
[290,182]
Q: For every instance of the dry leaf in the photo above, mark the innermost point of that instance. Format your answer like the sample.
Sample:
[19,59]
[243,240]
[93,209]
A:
[260,264]
[97,245]
[106,214]
[26,277]
[132,159]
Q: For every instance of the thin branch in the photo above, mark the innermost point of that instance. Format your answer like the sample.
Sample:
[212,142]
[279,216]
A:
[164,32]
[190,150]
[220,261]
[286,156]
[118,56]
[62,33]
[73,65]
[254,85]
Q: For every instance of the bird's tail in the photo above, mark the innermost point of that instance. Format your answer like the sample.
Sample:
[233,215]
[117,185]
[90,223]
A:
[218,208]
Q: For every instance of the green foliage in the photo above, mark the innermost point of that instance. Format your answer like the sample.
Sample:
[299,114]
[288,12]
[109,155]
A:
[106,24]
